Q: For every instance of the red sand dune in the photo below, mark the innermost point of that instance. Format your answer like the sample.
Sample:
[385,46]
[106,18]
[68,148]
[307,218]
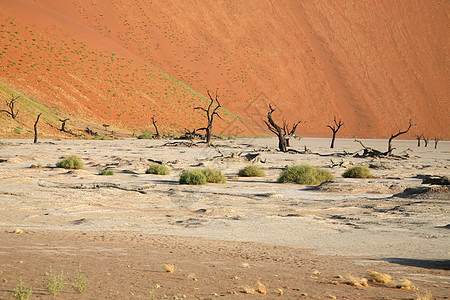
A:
[375,65]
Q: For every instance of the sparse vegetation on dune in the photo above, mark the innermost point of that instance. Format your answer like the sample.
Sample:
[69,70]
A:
[145,136]
[305,174]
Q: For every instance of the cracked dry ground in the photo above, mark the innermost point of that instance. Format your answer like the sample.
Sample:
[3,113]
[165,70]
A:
[222,238]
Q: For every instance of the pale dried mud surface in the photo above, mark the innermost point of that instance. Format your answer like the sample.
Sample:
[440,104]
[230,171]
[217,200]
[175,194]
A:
[294,238]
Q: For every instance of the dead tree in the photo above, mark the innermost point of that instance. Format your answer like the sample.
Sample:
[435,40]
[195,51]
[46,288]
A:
[35,128]
[335,128]
[436,141]
[157,136]
[393,136]
[10,105]
[63,125]
[426,140]
[210,113]
[419,137]
[281,132]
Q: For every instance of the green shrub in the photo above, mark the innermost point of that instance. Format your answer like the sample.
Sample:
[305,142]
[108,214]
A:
[22,292]
[202,176]
[73,162]
[251,171]
[106,172]
[214,176]
[80,281]
[358,172]
[53,283]
[157,169]
[145,136]
[193,177]
[305,174]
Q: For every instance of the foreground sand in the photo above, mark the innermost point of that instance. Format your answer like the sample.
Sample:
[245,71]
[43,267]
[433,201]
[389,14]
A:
[293,237]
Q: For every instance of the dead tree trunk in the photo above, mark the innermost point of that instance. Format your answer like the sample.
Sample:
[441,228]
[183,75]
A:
[425,139]
[10,105]
[210,113]
[35,128]
[393,136]
[63,125]
[335,128]
[157,136]
[436,141]
[281,132]
[419,137]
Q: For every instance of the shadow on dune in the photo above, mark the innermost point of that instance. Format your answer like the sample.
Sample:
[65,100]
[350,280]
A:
[442,264]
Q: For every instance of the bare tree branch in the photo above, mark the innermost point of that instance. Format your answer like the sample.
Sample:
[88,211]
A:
[10,105]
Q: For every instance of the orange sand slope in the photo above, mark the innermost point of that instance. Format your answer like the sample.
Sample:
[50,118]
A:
[375,65]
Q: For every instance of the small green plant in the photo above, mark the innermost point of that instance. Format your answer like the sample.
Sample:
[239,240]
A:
[22,292]
[145,136]
[73,162]
[18,130]
[214,176]
[157,169]
[53,283]
[80,281]
[358,172]
[38,166]
[305,174]
[106,172]
[192,177]
[251,171]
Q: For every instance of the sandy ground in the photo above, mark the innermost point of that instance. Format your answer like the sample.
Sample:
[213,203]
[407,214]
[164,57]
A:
[294,238]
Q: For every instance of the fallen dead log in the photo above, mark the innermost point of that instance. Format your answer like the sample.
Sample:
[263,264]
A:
[94,185]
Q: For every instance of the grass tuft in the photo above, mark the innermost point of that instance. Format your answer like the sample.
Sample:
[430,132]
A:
[169,268]
[358,172]
[214,176]
[53,283]
[251,171]
[354,281]
[305,174]
[145,136]
[261,288]
[80,281]
[22,292]
[106,172]
[378,277]
[157,169]
[192,177]
[73,162]
[403,284]
[202,176]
